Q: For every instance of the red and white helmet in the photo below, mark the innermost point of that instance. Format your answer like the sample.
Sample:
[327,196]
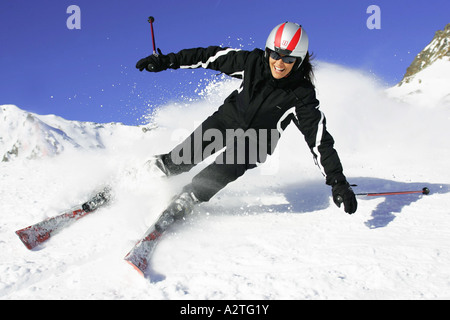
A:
[289,39]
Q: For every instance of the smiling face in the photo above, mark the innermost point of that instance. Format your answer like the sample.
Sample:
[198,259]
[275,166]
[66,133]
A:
[279,68]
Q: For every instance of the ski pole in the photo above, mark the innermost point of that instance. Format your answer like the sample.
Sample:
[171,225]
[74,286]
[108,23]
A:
[376,194]
[424,190]
[151,20]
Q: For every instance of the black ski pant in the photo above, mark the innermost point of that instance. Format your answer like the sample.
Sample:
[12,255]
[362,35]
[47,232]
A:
[211,136]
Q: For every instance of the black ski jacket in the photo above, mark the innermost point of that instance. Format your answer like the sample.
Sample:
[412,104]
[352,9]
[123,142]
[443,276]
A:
[263,102]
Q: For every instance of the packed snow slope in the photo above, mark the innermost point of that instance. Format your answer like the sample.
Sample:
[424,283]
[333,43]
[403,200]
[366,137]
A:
[273,234]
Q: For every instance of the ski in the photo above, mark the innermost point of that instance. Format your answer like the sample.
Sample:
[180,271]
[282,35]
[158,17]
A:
[141,253]
[40,232]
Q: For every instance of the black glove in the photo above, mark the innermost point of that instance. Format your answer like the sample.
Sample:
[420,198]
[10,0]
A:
[155,63]
[343,193]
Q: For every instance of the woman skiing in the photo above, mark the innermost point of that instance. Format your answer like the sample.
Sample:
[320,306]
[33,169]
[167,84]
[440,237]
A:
[276,90]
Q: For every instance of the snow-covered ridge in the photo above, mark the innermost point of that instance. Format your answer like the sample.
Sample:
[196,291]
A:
[27,135]
[429,88]
[427,80]
[437,49]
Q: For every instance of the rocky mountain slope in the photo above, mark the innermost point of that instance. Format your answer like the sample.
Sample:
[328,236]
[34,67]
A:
[427,80]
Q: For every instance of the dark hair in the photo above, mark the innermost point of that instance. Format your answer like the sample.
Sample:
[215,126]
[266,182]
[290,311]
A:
[307,69]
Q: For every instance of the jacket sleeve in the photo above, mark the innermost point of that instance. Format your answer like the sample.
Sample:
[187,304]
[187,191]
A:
[312,123]
[227,60]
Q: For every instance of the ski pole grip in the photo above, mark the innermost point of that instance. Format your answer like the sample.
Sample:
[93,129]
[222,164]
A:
[150,67]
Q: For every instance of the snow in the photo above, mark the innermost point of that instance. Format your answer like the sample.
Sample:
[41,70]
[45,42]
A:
[273,234]
[428,88]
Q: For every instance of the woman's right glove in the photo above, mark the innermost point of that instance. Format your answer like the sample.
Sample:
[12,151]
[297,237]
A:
[154,63]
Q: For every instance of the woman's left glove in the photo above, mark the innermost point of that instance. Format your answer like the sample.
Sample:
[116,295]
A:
[343,193]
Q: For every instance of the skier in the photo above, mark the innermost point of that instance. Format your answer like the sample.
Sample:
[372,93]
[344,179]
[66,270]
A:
[276,89]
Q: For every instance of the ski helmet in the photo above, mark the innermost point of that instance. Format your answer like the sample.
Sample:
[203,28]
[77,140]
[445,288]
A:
[289,39]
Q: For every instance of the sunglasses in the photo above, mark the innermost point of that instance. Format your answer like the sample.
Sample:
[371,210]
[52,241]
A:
[286,59]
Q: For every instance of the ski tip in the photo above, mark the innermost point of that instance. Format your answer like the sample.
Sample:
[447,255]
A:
[135,267]
[31,237]
[23,236]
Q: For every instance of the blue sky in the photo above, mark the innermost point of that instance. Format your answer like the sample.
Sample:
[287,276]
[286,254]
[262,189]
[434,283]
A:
[89,74]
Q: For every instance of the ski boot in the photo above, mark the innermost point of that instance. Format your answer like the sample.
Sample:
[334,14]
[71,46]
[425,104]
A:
[157,167]
[180,206]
